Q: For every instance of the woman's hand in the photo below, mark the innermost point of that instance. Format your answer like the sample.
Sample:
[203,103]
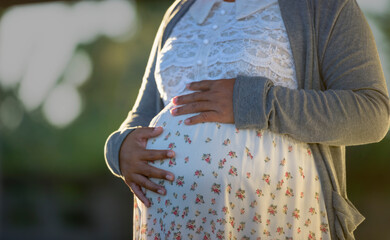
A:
[213,99]
[133,161]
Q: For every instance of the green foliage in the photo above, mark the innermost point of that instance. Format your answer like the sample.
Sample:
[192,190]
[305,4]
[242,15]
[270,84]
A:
[36,148]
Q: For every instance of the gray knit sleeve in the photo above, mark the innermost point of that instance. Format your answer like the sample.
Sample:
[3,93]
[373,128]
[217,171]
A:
[352,109]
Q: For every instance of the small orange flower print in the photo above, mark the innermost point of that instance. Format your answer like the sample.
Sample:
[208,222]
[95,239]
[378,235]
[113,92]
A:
[288,175]
[229,188]
[212,212]
[184,197]
[311,236]
[272,209]
[198,173]
[241,226]
[301,172]
[186,159]
[226,142]
[253,204]
[285,208]
[207,140]
[216,188]
[191,224]
[267,159]
[295,213]
[172,162]
[259,192]
[232,154]
[266,233]
[312,211]
[266,178]
[324,228]
[199,199]
[279,230]
[194,186]
[180,122]
[187,139]
[221,163]
[309,152]
[248,175]
[307,222]
[283,162]
[317,196]
[175,211]
[290,148]
[231,221]
[171,146]
[268,222]
[212,201]
[185,212]
[256,218]
[225,210]
[177,133]
[248,153]
[279,185]
[220,234]
[199,229]
[207,158]
[180,181]
[233,171]
[259,133]
[242,211]
[167,136]
[240,194]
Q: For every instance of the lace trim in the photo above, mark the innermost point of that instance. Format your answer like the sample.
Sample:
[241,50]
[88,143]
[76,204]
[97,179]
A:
[255,46]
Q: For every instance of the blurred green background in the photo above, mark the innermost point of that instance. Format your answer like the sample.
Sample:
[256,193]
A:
[54,183]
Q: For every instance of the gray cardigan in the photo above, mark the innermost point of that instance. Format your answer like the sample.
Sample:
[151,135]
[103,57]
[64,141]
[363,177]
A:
[341,97]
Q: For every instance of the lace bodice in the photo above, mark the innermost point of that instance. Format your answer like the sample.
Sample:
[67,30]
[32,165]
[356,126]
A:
[224,47]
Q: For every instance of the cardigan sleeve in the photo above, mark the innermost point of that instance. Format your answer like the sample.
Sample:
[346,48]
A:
[354,107]
[143,111]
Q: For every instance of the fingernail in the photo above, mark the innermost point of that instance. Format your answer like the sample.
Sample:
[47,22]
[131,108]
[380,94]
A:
[160,191]
[156,129]
[170,153]
[169,177]
[174,100]
[174,111]
[187,121]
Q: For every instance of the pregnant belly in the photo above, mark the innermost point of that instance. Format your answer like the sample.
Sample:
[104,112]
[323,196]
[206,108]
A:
[227,180]
[224,156]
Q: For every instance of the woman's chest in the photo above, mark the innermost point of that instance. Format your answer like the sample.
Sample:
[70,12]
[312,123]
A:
[224,47]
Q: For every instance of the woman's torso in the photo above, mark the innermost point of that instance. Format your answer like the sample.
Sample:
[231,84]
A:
[229,182]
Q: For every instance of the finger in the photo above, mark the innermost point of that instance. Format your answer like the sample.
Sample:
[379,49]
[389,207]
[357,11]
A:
[192,97]
[210,116]
[149,132]
[147,184]
[193,107]
[136,189]
[154,172]
[153,155]
[201,85]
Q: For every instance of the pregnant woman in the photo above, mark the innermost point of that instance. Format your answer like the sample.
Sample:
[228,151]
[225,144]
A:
[249,106]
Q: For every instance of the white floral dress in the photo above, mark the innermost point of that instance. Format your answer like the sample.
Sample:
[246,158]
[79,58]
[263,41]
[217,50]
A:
[230,183]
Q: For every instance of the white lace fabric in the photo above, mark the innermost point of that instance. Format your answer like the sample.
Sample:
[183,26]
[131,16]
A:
[224,47]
